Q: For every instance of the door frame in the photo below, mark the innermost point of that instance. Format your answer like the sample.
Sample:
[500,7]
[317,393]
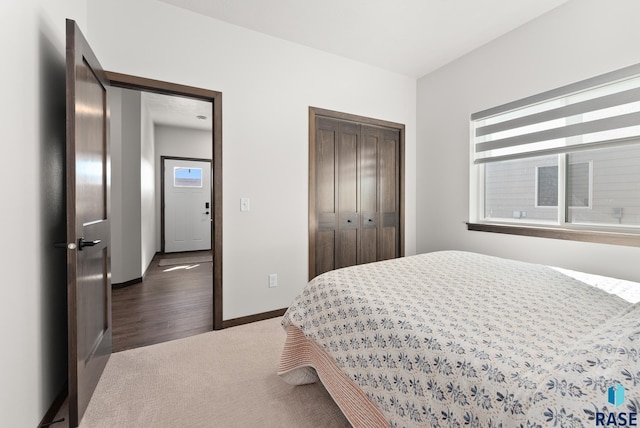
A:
[126,81]
[315,111]
[162,184]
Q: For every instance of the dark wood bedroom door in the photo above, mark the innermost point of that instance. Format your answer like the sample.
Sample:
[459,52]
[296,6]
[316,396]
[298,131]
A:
[355,191]
[88,223]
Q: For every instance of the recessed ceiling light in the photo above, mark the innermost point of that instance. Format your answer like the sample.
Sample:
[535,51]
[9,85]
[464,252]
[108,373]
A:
[201,117]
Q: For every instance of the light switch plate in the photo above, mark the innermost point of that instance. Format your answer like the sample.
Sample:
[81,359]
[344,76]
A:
[273,280]
[244,204]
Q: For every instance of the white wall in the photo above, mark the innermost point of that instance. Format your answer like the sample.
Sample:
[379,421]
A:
[118,257]
[267,85]
[126,208]
[147,189]
[178,142]
[32,131]
[581,39]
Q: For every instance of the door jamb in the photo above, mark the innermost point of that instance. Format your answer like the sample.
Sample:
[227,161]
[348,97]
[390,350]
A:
[215,98]
[162,184]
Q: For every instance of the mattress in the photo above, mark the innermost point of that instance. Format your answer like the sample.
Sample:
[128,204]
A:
[455,338]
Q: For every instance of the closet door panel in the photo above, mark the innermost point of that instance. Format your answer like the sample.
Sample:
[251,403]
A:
[369,194]
[348,170]
[388,166]
[369,251]
[348,248]
[325,171]
[348,167]
[325,251]
[325,243]
[325,196]
[389,246]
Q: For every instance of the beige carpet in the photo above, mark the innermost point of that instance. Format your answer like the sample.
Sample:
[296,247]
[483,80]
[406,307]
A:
[224,378]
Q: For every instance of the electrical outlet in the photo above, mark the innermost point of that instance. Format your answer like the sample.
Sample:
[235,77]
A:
[273,280]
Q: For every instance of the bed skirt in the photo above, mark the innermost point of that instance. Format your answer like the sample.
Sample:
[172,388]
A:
[303,361]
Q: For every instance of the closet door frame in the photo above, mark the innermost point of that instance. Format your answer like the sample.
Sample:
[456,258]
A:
[315,112]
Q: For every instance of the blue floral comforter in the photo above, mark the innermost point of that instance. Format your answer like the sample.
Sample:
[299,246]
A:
[451,338]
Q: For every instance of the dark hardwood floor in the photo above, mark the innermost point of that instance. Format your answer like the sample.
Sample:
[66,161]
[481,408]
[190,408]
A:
[172,302]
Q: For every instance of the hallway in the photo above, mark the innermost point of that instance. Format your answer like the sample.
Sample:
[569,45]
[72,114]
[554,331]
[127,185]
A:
[172,302]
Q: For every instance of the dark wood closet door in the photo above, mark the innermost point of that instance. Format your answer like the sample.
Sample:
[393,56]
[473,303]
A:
[324,194]
[336,194]
[369,218]
[380,194]
[355,194]
[347,191]
[389,180]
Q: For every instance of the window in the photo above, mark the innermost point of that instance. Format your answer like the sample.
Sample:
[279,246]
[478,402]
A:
[578,185]
[547,186]
[187,177]
[568,158]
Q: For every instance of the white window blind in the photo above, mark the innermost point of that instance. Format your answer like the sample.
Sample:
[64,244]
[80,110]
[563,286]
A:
[600,112]
[569,157]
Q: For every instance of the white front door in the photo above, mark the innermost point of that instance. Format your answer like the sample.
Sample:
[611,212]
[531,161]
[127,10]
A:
[187,205]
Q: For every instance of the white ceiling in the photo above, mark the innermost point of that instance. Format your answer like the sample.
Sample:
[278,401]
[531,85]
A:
[411,37]
[178,111]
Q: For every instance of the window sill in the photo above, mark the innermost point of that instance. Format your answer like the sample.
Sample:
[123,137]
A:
[614,238]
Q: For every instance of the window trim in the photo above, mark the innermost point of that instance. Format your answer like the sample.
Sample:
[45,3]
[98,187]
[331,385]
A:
[601,237]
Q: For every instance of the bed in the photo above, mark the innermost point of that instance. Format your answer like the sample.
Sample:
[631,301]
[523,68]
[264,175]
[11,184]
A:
[455,338]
